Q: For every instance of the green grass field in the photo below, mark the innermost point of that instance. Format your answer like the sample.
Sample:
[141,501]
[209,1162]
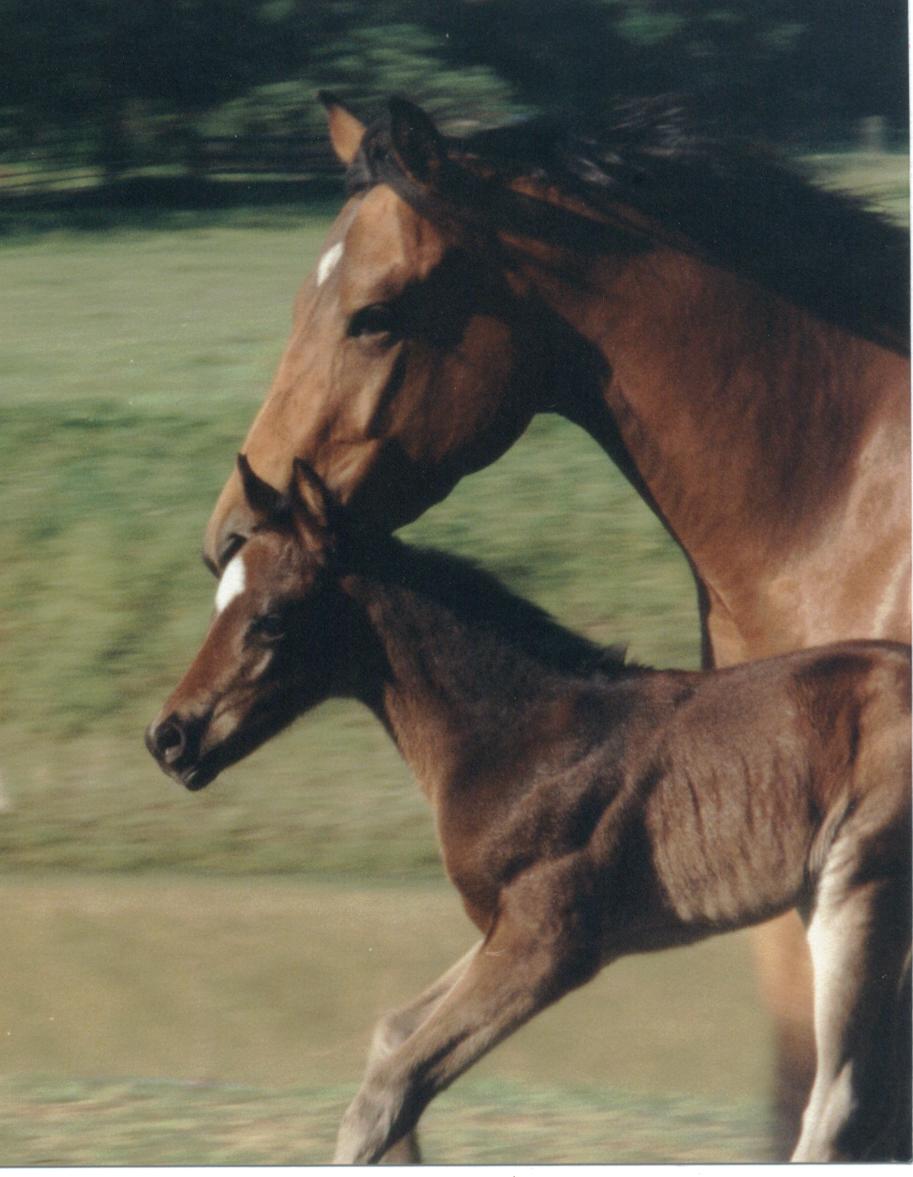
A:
[154,988]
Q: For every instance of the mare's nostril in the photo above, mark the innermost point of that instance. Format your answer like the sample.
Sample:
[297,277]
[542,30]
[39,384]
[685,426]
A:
[168,740]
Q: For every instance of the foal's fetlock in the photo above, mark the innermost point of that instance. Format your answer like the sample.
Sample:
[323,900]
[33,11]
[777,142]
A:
[376,1121]
[405,1152]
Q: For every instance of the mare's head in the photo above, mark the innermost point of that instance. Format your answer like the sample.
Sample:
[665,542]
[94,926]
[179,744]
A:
[273,645]
[412,360]
[465,286]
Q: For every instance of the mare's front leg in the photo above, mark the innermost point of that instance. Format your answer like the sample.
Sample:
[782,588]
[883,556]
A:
[521,967]
[392,1031]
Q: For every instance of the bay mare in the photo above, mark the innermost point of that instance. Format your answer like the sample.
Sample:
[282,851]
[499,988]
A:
[734,337]
[585,808]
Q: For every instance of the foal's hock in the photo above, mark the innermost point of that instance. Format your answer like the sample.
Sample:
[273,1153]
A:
[586,808]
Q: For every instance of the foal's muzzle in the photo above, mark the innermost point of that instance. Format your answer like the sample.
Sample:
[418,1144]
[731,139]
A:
[174,742]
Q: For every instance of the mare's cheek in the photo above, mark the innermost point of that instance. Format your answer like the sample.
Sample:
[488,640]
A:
[478,375]
[363,375]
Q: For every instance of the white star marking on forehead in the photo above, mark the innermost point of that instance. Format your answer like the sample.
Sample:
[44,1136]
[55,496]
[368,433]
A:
[328,262]
[232,583]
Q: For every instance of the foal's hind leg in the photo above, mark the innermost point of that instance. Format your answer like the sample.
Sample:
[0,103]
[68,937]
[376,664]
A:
[392,1031]
[859,938]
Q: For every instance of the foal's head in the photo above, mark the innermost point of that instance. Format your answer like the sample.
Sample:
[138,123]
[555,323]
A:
[272,645]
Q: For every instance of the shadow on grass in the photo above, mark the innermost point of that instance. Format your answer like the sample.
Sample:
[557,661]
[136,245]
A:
[167,202]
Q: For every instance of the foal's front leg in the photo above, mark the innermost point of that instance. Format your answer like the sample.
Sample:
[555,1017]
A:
[392,1031]
[515,973]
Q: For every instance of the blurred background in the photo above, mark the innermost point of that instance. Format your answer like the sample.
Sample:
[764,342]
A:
[193,978]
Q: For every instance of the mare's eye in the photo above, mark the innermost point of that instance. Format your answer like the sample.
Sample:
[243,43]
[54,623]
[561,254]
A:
[270,627]
[380,318]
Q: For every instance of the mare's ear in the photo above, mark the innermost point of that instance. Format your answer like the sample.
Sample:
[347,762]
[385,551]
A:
[261,497]
[417,144]
[346,131]
[314,509]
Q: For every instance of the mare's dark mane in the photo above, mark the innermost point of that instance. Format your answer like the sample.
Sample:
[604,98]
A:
[732,204]
[502,623]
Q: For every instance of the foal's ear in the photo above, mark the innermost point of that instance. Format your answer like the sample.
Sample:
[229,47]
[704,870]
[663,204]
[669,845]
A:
[261,497]
[346,130]
[314,508]
[417,144]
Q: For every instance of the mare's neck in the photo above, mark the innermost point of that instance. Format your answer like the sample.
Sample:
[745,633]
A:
[747,425]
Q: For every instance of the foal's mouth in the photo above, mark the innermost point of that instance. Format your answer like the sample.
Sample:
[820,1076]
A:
[198,777]
[194,772]
[205,768]
[192,776]
[182,749]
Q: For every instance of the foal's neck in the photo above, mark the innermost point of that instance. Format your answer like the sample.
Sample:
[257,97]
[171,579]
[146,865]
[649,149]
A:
[464,665]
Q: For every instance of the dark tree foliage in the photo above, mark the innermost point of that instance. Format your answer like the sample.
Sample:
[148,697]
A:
[111,75]
[757,66]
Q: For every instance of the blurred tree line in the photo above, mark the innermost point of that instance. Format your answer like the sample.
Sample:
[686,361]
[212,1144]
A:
[127,81]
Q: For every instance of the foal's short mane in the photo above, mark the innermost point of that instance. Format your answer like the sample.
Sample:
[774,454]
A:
[732,204]
[477,600]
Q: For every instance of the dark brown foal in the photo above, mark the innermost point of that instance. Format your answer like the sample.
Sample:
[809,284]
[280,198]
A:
[586,808]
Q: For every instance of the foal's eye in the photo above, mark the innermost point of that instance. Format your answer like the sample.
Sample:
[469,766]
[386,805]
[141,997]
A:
[380,318]
[271,626]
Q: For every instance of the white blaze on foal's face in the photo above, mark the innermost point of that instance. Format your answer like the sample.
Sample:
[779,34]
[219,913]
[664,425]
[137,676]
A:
[232,584]
[328,262]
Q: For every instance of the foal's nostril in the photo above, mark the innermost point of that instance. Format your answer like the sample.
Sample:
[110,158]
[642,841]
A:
[167,741]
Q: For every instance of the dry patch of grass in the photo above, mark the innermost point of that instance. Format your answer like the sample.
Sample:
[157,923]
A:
[253,1001]
[278,983]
